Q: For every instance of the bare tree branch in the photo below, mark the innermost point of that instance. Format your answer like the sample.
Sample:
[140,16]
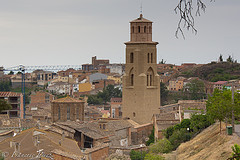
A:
[185,10]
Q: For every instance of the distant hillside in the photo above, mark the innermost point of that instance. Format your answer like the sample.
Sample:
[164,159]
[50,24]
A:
[223,71]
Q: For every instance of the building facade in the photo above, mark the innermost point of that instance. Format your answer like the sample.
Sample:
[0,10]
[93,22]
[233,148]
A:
[67,109]
[141,85]
[16,101]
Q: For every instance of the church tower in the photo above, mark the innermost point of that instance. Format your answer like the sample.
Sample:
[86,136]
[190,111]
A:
[141,85]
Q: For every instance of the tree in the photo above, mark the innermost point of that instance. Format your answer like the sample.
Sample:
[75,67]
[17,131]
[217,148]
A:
[219,105]
[163,92]
[195,89]
[236,152]
[5,86]
[4,105]
[11,73]
[151,138]
[105,96]
[185,9]
[162,62]
[230,59]
[220,58]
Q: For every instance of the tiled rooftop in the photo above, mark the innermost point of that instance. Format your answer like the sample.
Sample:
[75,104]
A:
[67,100]
[10,94]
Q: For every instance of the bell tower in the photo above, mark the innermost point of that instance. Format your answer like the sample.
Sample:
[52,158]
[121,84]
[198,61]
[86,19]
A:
[141,85]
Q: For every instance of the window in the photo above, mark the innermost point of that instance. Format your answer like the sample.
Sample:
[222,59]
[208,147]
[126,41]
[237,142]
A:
[150,29]
[151,58]
[150,77]
[139,29]
[104,126]
[145,29]
[132,81]
[134,114]
[68,113]
[131,57]
[132,29]
[148,58]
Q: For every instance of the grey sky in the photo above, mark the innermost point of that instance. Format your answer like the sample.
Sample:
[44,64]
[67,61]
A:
[51,32]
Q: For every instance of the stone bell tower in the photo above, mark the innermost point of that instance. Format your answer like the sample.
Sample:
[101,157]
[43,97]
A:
[141,85]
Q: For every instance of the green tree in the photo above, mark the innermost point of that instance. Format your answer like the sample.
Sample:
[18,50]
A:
[5,86]
[219,105]
[164,93]
[11,73]
[162,62]
[105,96]
[4,105]
[137,155]
[230,59]
[236,152]
[195,89]
[161,146]
[151,138]
[221,58]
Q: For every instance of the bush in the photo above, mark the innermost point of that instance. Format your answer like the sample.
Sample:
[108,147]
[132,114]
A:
[137,155]
[151,156]
[179,136]
[161,146]
[151,138]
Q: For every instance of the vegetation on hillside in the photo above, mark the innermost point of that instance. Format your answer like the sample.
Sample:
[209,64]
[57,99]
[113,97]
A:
[222,71]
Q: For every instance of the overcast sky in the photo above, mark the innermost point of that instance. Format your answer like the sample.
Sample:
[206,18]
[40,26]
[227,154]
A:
[51,32]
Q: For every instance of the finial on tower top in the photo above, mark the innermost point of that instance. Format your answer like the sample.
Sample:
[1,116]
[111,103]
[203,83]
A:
[141,8]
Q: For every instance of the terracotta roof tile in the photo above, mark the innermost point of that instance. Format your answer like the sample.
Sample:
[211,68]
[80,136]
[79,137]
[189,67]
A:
[10,94]
[67,100]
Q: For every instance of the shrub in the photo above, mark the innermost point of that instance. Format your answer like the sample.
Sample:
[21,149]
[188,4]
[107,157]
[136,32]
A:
[151,156]
[178,137]
[137,155]
[161,146]
[151,138]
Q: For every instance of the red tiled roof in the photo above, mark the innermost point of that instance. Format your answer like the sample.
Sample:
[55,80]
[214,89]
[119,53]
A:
[116,99]
[10,94]
[220,82]
[67,100]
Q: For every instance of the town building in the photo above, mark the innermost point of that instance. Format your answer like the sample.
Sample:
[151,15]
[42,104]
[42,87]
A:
[41,97]
[16,101]
[141,85]
[116,108]
[220,84]
[67,108]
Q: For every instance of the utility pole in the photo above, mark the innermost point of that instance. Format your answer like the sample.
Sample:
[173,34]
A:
[233,117]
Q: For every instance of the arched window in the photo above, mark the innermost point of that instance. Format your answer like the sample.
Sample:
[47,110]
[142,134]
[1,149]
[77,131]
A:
[150,77]
[134,114]
[150,29]
[148,58]
[131,57]
[139,29]
[151,58]
[132,80]
[132,29]
[145,29]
